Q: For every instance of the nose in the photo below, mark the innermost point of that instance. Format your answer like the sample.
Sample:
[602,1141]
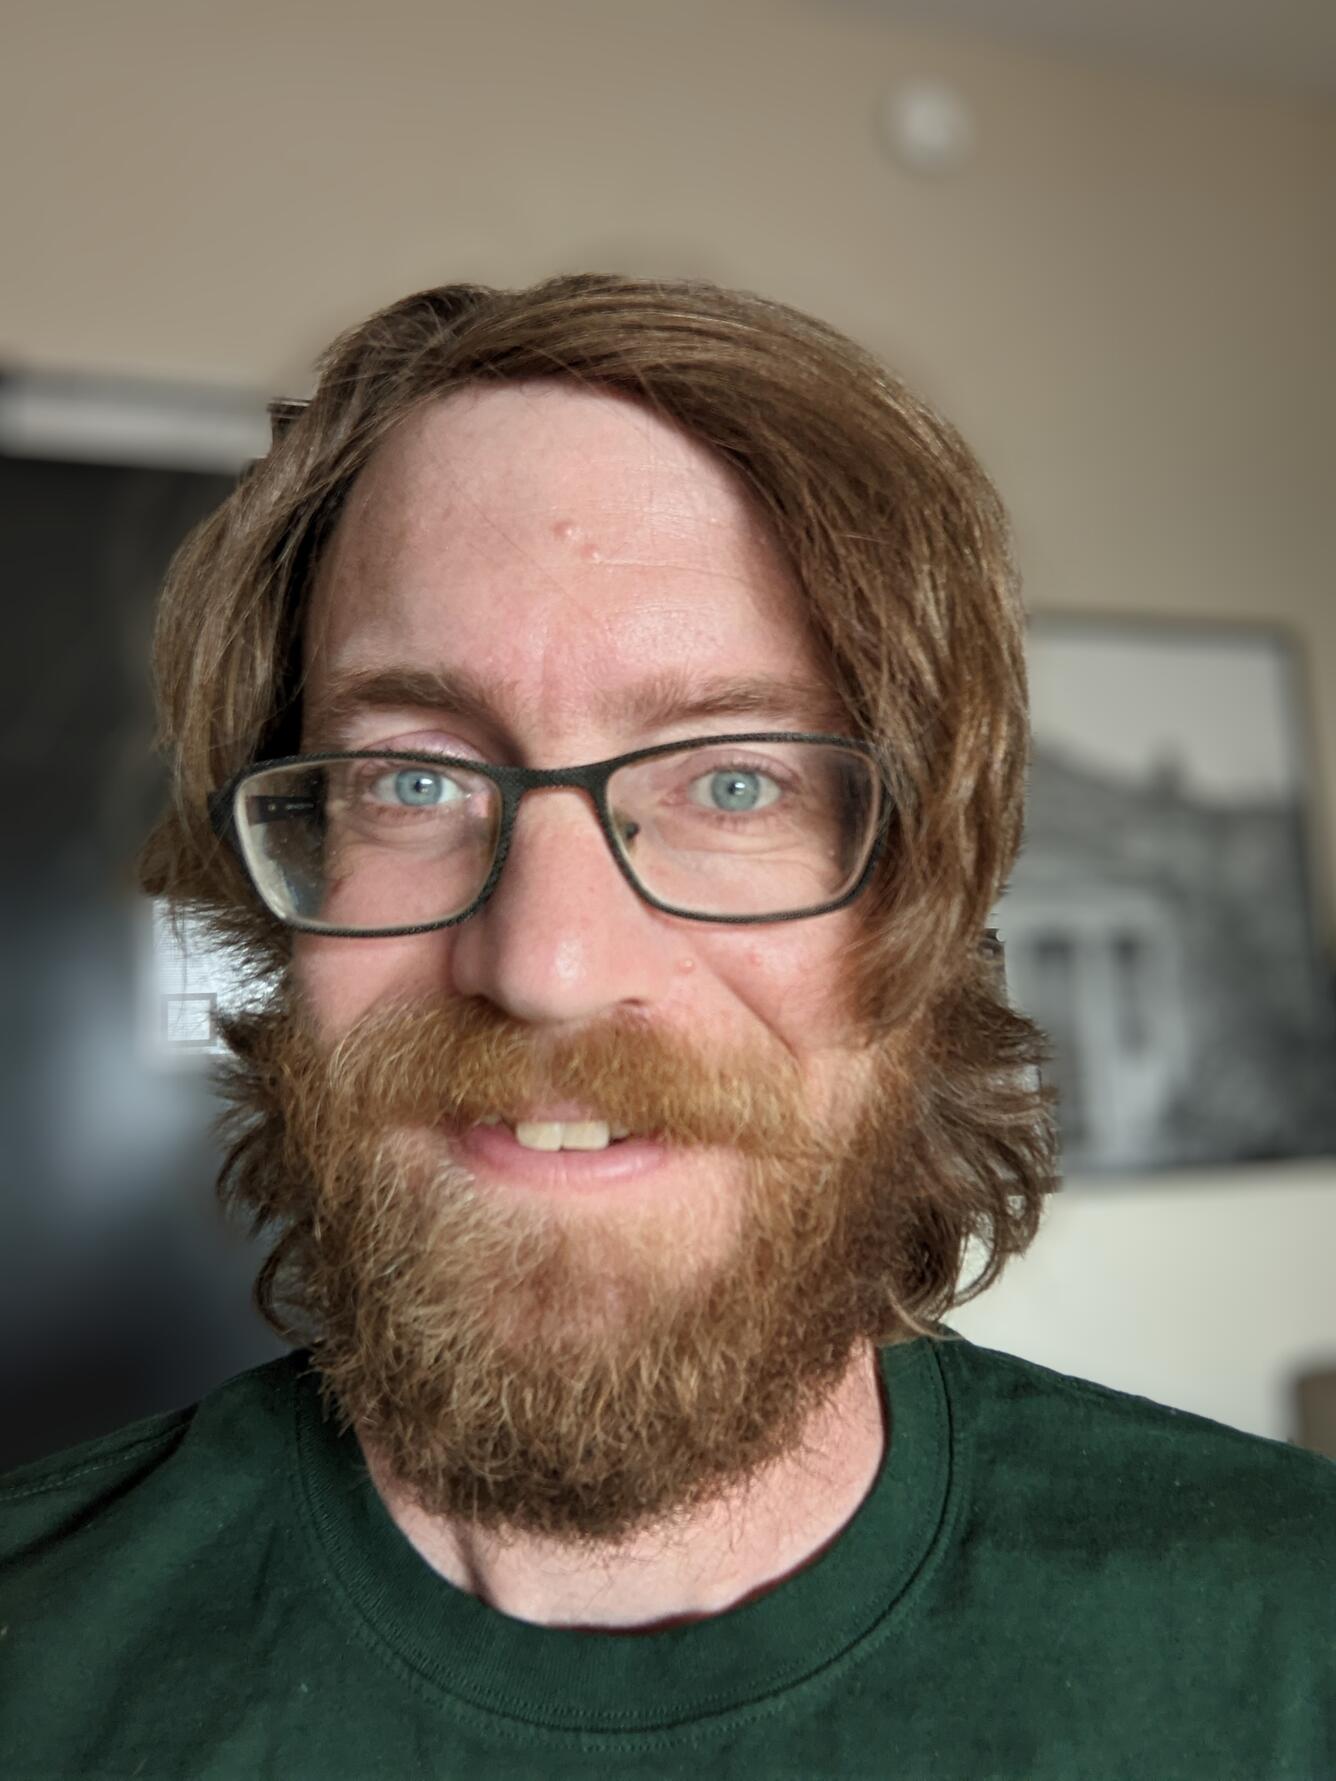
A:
[563,936]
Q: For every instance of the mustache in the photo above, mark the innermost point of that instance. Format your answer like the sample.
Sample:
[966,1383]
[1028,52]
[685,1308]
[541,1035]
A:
[433,1063]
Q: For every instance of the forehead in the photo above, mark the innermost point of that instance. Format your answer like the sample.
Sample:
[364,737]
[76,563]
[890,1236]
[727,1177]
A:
[555,539]
[538,447]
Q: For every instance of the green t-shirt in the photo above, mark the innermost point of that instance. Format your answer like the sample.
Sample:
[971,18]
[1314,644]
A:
[1048,1579]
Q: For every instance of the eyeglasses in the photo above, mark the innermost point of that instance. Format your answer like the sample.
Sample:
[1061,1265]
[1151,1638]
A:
[767,826]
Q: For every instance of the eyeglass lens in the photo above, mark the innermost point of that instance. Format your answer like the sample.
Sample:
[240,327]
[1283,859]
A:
[717,829]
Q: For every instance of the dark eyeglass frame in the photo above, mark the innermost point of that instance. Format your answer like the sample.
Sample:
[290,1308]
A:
[513,783]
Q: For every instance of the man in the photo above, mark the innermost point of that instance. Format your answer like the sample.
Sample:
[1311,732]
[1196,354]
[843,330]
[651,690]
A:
[601,722]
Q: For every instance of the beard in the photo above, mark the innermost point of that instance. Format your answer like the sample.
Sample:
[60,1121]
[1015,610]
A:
[573,1368]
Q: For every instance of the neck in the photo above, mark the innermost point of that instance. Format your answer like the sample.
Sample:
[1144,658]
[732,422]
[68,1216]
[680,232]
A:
[718,1557]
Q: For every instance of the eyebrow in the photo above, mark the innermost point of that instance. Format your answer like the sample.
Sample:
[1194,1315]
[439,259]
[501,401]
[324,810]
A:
[665,697]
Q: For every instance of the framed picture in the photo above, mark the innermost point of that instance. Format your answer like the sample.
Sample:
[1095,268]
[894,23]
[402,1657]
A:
[1165,923]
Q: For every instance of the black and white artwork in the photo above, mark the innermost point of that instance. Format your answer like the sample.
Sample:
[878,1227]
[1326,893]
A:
[1166,924]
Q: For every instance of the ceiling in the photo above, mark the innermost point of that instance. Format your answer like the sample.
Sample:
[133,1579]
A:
[1281,45]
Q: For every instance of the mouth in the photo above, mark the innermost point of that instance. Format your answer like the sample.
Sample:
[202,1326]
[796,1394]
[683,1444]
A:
[493,1148]
[549,1132]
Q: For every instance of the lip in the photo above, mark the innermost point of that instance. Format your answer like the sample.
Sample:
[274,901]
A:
[558,1110]
[495,1150]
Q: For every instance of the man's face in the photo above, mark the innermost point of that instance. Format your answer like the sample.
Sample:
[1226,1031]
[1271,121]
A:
[564,546]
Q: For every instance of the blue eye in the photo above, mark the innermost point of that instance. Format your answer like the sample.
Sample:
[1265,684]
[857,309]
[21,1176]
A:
[738,789]
[408,788]
[415,786]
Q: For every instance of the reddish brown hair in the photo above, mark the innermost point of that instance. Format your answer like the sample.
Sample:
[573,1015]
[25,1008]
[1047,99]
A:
[900,547]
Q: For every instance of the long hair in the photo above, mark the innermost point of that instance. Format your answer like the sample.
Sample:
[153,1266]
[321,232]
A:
[900,548]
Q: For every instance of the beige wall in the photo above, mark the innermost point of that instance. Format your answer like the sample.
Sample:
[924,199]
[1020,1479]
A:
[1125,301]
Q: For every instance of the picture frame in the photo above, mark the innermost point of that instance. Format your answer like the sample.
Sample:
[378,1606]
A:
[1166,923]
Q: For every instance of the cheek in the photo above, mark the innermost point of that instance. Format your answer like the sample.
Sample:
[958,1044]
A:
[338,980]
[794,983]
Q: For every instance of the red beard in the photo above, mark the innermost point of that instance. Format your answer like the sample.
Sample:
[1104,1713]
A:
[578,1374]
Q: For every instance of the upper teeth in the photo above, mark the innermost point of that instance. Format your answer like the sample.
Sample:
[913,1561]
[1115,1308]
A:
[557,1134]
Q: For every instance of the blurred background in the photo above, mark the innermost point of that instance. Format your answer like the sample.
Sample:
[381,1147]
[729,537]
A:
[1098,234]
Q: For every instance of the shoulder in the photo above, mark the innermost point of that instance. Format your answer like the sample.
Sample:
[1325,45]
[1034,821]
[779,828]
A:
[1150,1471]
[205,1453]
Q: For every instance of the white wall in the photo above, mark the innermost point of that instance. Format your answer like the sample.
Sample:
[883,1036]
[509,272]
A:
[1124,300]
[1205,1291]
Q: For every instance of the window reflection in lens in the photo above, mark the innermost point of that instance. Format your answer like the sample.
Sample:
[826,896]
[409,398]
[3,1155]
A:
[369,842]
